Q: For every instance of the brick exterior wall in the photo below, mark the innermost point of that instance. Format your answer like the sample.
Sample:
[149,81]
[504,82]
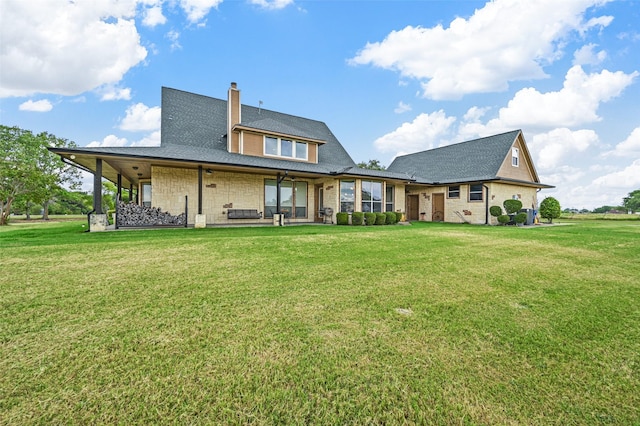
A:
[224,190]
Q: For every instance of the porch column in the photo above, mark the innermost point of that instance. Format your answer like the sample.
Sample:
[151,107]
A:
[199,189]
[118,199]
[119,189]
[97,220]
[201,219]
[97,187]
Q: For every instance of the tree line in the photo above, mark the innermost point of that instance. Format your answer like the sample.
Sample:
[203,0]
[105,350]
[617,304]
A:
[29,173]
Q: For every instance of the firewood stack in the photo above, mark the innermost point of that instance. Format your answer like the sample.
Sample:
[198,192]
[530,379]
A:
[134,215]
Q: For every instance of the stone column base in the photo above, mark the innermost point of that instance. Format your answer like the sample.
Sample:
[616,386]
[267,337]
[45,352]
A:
[201,221]
[98,222]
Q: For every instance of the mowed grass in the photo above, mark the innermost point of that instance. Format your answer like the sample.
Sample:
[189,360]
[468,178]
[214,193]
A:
[421,324]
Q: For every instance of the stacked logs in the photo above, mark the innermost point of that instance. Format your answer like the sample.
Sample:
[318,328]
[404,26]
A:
[132,214]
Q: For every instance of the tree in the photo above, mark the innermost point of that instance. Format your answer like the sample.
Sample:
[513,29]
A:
[371,165]
[28,169]
[632,202]
[550,209]
[18,169]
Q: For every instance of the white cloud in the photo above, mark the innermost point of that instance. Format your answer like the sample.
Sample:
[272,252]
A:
[575,104]
[586,55]
[64,47]
[112,93]
[140,117]
[153,16]
[111,140]
[506,40]
[152,139]
[628,147]
[196,10]
[174,37]
[424,132]
[554,146]
[402,107]
[272,4]
[627,178]
[43,105]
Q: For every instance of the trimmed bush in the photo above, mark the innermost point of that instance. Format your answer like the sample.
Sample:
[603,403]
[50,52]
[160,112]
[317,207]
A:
[381,218]
[550,209]
[357,218]
[342,218]
[391,218]
[399,217]
[503,219]
[520,218]
[495,211]
[370,218]
[512,206]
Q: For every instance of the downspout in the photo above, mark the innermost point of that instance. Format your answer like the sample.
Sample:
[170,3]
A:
[486,206]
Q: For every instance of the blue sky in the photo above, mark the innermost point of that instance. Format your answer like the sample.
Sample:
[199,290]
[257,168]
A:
[388,77]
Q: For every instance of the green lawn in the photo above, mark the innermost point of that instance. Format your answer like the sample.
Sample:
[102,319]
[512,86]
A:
[421,324]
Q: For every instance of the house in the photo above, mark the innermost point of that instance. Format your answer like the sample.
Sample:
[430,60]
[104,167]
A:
[460,182]
[221,162]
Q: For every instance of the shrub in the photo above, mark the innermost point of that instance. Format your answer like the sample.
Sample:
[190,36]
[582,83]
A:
[390,218]
[550,209]
[381,218]
[520,218]
[503,219]
[370,218]
[495,211]
[357,218]
[342,218]
[512,206]
[399,217]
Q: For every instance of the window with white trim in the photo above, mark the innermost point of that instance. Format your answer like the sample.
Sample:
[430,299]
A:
[515,157]
[293,198]
[388,199]
[453,191]
[371,196]
[285,148]
[476,192]
[347,195]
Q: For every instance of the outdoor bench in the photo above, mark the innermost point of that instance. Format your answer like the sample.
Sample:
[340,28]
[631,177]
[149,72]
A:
[243,214]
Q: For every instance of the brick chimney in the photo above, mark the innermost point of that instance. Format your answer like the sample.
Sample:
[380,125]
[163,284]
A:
[233,117]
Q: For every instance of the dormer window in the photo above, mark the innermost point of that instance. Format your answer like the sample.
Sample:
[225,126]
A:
[285,148]
[515,157]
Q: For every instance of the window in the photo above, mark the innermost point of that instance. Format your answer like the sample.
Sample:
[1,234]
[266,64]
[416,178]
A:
[454,192]
[388,199]
[293,198]
[146,194]
[347,195]
[515,157]
[476,192]
[285,148]
[371,196]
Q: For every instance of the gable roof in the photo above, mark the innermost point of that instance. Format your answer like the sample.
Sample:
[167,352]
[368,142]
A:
[471,161]
[195,120]
[193,130]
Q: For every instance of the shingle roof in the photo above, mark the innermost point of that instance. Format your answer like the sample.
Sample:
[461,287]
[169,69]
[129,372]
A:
[475,160]
[193,129]
[194,120]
